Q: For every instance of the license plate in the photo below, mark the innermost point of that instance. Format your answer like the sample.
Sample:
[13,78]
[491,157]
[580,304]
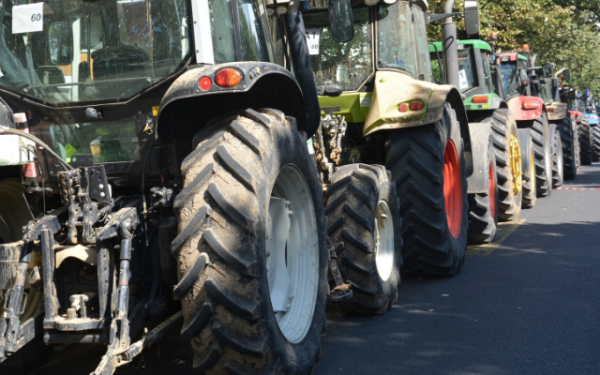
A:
[318,4]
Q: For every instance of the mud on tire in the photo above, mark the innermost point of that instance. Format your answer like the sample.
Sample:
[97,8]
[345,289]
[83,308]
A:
[509,201]
[355,200]
[416,156]
[224,216]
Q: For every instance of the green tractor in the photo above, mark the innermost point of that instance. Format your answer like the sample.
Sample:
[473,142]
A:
[493,129]
[381,111]
[154,164]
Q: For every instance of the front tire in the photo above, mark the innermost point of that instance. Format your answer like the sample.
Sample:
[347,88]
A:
[428,166]
[558,163]
[542,148]
[569,145]
[251,248]
[483,207]
[596,142]
[585,142]
[363,213]
[529,167]
[505,138]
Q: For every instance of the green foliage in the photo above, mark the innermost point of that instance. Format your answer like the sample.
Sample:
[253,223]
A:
[565,32]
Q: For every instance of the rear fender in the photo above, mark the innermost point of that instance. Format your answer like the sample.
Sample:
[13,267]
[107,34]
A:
[480,136]
[517,107]
[394,88]
[186,107]
[556,111]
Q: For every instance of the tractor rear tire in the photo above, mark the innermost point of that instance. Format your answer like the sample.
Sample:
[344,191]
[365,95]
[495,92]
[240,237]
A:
[585,142]
[569,144]
[483,207]
[510,197]
[529,167]
[251,199]
[596,141]
[428,166]
[360,201]
[14,215]
[542,146]
[558,163]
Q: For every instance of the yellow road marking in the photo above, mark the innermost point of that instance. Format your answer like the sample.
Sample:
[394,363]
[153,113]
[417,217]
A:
[504,230]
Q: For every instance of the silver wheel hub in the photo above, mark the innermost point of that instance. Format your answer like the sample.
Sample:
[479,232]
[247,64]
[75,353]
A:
[384,241]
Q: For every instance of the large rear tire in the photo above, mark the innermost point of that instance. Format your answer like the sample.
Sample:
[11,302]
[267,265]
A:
[428,166]
[483,207]
[505,138]
[569,144]
[596,142]
[542,148]
[252,248]
[558,162]
[528,164]
[363,213]
[585,142]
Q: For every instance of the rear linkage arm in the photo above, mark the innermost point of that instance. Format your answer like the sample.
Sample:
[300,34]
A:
[16,299]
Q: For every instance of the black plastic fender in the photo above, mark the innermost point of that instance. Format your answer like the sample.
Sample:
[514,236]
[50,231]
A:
[262,85]
[480,138]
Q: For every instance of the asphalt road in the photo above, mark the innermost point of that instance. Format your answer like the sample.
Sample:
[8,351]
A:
[529,306]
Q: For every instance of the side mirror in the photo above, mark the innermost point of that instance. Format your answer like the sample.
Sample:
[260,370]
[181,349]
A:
[472,17]
[566,75]
[548,70]
[60,36]
[341,20]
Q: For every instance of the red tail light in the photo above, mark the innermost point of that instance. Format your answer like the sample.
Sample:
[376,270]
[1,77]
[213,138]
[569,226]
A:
[403,107]
[416,105]
[228,77]
[480,99]
[550,110]
[205,83]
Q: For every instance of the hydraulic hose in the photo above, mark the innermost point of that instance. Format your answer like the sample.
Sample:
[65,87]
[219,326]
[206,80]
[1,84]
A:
[39,142]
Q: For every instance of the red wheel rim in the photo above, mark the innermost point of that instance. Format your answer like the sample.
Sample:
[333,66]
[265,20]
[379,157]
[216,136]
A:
[492,191]
[453,189]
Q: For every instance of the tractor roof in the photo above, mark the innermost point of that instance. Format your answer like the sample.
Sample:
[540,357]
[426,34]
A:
[476,43]
[513,56]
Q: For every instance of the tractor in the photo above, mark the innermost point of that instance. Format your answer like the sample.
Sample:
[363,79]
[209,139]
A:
[592,115]
[530,113]
[586,141]
[493,129]
[381,111]
[155,165]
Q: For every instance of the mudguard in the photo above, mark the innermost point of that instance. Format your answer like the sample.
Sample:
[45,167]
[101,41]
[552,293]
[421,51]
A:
[518,104]
[480,136]
[272,82]
[494,102]
[393,89]
[556,110]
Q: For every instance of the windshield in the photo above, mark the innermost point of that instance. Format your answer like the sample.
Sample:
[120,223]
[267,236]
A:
[395,32]
[510,79]
[346,64]
[88,51]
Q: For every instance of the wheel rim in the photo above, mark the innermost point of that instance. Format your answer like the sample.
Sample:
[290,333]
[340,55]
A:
[516,168]
[548,163]
[292,253]
[492,190]
[384,241]
[453,189]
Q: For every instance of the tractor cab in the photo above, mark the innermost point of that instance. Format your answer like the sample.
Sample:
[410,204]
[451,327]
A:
[478,78]
[513,73]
